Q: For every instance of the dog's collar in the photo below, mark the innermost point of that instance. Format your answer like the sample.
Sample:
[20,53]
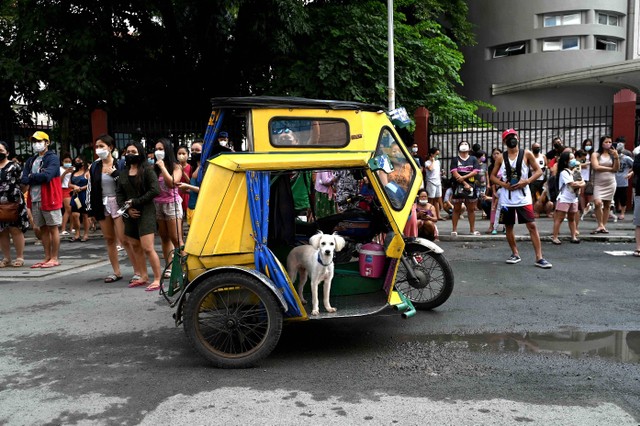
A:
[320,260]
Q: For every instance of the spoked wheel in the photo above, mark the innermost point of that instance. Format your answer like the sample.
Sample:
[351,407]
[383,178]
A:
[434,278]
[233,320]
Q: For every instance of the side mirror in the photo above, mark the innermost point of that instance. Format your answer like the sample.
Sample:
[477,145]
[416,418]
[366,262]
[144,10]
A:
[381,162]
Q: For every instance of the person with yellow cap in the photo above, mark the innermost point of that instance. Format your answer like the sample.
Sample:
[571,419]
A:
[41,174]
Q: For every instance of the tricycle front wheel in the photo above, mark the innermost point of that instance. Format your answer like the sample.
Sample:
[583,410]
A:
[233,320]
[434,282]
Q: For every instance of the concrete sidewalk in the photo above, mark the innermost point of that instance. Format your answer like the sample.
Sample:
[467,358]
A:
[620,231]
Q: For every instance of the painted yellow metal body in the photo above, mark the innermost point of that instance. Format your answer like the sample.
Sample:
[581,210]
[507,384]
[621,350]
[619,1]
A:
[221,234]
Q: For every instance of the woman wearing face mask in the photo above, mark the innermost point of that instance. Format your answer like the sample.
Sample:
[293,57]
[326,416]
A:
[168,203]
[464,169]
[605,163]
[192,187]
[78,185]
[65,175]
[137,188]
[426,217]
[10,192]
[183,156]
[537,186]
[567,201]
[103,206]
[433,177]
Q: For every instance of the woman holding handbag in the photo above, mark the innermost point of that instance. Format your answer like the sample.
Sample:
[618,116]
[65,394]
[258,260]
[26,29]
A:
[13,210]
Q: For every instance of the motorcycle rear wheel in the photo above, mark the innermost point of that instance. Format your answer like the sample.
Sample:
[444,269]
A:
[435,278]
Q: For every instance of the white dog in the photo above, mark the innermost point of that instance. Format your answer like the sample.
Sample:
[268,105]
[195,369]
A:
[315,261]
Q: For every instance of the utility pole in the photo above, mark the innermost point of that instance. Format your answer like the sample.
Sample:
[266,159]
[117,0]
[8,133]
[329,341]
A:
[392,84]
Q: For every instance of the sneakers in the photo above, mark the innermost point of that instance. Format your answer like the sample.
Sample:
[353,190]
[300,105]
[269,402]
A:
[513,259]
[542,263]
[64,233]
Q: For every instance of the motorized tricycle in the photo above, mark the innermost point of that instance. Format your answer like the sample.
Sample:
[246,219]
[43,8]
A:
[229,287]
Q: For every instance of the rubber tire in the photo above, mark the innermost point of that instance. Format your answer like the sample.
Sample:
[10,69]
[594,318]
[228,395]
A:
[269,317]
[438,266]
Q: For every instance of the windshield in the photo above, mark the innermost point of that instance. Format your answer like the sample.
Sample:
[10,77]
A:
[396,183]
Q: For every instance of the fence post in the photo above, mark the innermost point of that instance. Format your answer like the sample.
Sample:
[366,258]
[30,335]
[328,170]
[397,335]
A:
[624,117]
[420,136]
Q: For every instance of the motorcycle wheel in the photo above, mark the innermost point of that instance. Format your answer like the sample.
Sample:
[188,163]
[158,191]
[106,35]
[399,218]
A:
[435,278]
[233,320]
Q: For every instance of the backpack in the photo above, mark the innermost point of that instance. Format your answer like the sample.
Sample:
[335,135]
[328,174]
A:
[513,175]
[553,188]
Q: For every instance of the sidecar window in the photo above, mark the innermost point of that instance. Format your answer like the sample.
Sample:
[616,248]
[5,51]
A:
[308,132]
[398,181]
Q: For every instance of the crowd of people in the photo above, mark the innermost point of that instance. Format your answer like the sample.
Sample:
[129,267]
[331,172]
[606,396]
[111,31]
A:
[129,199]
[148,192]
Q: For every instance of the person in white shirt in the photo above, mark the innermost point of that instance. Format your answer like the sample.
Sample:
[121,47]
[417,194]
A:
[433,172]
[567,201]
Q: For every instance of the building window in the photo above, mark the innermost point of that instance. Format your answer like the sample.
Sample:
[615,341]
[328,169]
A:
[510,50]
[606,44]
[566,19]
[565,43]
[609,19]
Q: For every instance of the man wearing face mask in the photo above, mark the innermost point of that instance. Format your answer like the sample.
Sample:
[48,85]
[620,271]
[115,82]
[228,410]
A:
[41,175]
[464,170]
[538,185]
[223,140]
[515,195]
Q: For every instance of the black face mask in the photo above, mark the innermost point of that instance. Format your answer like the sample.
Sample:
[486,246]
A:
[78,166]
[132,159]
[511,142]
[3,156]
[536,151]
[195,156]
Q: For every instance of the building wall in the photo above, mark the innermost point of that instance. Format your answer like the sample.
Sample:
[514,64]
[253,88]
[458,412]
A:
[505,22]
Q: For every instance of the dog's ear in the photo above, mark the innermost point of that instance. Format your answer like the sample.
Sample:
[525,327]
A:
[315,240]
[340,242]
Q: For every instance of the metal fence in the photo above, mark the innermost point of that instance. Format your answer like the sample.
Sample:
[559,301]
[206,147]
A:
[573,125]
[17,136]
[147,132]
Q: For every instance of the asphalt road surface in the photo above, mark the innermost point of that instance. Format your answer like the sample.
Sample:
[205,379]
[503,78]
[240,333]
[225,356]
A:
[514,344]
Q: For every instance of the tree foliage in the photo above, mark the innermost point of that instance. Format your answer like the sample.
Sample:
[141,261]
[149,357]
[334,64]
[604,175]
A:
[166,58]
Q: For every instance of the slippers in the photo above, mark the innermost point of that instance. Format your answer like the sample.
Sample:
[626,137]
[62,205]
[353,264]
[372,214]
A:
[153,287]
[599,231]
[135,277]
[138,283]
[556,241]
[476,233]
[38,265]
[5,262]
[575,241]
[49,264]
[84,239]
[636,253]
[18,262]
[112,278]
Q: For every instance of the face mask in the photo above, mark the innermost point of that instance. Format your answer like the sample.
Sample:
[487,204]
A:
[78,166]
[464,148]
[159,155]
[151,161]
[573,163]
[130,159]
[588,148]
[66,165]
[414,150]
[536,151]
[483,160]
[436,157]
[3,156]
[423,202]
[557,147]
[606,145]
[512,142]
[195,156]
[102,153]
[182,157]
[38,146]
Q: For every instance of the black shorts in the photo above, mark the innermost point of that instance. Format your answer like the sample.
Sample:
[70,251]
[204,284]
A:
[524,214]
[620,196]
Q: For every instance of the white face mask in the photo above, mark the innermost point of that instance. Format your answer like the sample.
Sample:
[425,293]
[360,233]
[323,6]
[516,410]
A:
[102,153]
[588,148]
[39,147]
[423,202]
[464,148]
[159,155]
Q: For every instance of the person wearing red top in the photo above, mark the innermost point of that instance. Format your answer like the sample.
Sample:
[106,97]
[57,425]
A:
[41,175]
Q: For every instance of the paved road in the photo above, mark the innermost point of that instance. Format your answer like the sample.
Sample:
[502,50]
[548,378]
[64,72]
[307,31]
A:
[514,344]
